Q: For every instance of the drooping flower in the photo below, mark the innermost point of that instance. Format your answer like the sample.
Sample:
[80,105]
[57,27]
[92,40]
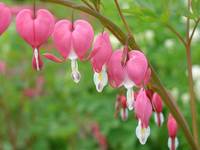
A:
[98,135]
[132,73]
[72,41]
[37,90]
[172,131]
[5,17]
[157,106]
[100,55]
[121,107]
[35,29]
[143,110]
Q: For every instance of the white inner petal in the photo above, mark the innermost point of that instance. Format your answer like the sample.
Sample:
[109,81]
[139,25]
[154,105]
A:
[170,143]
[100,79]
[124,114]
[128,83]
[36,55]
[76,76]
[142,133]
[130,98]
[72,55]
[161,118]
[176,143]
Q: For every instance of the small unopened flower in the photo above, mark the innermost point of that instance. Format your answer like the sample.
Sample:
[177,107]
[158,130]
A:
[172,131]
[121,107]
[99,57]
[143,110]
[101,139]
[157,106]
[72,41]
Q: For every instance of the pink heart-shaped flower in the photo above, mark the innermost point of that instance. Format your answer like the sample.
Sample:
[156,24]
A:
[5,17]
[35,29]
[77,36]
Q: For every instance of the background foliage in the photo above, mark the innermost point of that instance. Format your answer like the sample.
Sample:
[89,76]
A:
[61,115]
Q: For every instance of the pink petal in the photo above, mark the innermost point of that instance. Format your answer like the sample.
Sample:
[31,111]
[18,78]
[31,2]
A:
[62,37]
[102,51]
[52,57]
[35,31]
[137,67]
[143,108]
[172,126]
[157,103]
[5,17]
[115,69]
[44,26]
[83,36]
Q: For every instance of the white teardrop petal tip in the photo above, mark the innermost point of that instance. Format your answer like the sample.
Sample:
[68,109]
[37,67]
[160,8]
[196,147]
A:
[100,80]
[142,133]
[76,76]
[170,146]
[161,118]
[130,98]
[124,114]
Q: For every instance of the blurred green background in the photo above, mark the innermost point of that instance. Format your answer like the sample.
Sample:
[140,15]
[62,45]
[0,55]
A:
[47,111]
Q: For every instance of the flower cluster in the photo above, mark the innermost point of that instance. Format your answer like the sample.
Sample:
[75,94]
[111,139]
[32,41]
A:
[120,68]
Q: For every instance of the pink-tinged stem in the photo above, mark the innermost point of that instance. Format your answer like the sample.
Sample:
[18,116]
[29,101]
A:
[190,77]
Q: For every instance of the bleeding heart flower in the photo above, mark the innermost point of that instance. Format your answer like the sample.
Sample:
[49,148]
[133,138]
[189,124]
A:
[121,106]
[5,17]
[133,73]
[35,29]
[143,110]
[100,55]
[172,131]
[157,106]
[72,41]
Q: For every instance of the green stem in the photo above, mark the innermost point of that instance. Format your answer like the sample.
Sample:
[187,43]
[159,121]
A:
[122,17]
[190,77]
[168,100]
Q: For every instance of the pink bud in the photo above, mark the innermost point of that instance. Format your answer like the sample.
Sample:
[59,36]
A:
[121,106]
[137,67]
[157,102]
[143,108]
[149,93]
[124,110]
[172,131]
[157,105]
[172,126]
[5,17]
[35,31]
